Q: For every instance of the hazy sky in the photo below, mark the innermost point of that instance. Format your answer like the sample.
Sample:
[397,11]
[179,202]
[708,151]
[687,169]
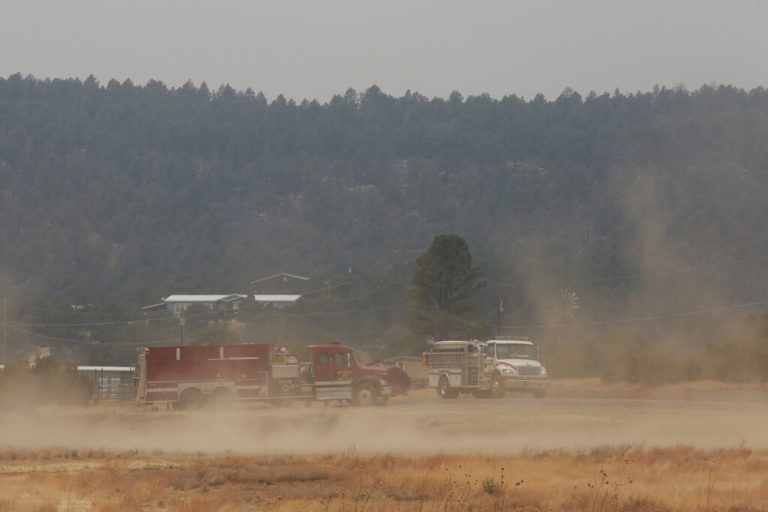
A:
[314,49]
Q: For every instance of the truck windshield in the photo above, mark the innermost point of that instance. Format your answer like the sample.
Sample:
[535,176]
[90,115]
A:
[515,351]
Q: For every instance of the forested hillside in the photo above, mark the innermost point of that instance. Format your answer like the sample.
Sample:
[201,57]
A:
[647,205]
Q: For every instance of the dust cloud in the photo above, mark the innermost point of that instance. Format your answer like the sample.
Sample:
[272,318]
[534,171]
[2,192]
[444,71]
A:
[409,426]
[655,294]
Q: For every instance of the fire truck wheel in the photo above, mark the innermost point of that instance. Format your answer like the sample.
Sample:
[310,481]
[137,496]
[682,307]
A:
[221,399]
[191,399]
[365,394]
[497,388]
[444,389]
[381,400]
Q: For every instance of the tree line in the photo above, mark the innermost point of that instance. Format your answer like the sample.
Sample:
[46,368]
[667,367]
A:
[117,194]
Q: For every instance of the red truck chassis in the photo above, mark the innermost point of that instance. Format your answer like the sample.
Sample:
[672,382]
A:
[191,377]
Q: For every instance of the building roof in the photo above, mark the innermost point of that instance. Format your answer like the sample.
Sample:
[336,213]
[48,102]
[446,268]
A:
[276,298]
[204,298]
[282,274]
[105,368]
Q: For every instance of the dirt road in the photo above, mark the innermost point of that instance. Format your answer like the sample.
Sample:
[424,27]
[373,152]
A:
[417,425]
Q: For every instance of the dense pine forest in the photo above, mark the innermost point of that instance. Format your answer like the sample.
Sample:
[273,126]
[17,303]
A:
[642,214]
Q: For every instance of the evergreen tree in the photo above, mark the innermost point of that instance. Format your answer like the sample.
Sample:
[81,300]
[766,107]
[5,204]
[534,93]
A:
[444,282]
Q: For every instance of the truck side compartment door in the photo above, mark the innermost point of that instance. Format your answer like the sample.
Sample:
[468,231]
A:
[490,359]
[323,371]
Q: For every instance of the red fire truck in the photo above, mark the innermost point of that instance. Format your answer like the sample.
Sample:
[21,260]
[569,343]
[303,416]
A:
[191,377]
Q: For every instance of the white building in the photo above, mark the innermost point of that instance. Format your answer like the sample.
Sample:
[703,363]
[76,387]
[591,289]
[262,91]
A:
[177,304]
[276,301]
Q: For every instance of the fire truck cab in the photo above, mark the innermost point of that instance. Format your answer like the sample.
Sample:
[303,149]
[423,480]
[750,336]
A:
[337,375]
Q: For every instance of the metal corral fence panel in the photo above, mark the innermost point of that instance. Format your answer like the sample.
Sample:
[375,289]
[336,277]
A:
[110,382]
[416,369]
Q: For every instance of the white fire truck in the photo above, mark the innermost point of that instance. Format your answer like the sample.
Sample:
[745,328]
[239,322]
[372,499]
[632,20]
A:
[486,369]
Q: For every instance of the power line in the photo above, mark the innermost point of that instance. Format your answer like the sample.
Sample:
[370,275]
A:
[98,324]
[539,284]
[326,288]
[625,277]
[214,313]
[378,331]
[91,343]
[640,318]
[139,321]
[342,312]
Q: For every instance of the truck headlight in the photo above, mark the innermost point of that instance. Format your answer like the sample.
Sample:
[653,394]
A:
[508,371]
[383,382]
[543,372]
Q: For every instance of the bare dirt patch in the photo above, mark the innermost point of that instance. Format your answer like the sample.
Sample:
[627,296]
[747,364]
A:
[420,424]
[565,452]
[696,390]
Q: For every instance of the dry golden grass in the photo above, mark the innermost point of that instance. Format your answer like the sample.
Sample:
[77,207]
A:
[622,478]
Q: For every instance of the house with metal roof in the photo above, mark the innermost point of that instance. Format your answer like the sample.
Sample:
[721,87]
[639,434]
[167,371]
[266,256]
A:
[177,304]
[276,301]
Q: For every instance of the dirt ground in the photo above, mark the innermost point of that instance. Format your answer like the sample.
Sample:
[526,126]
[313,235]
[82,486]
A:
[587,446]
[707,390]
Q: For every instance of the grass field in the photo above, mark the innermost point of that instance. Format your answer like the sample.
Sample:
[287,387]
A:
[602,479]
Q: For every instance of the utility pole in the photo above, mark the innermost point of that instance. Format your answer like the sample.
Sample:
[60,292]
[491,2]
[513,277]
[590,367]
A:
[499,310]
[349,288]
[4,352]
